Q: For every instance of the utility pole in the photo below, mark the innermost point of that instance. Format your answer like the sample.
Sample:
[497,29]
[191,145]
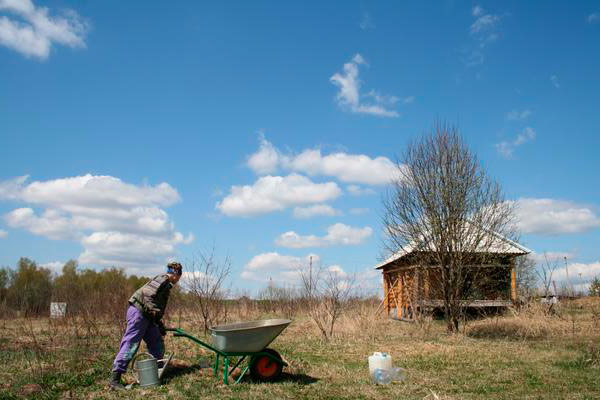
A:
[569,287]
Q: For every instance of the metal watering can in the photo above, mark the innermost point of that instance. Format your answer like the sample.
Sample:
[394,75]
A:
[147,370]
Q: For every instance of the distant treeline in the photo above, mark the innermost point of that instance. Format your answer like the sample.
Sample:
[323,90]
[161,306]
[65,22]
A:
[28,289]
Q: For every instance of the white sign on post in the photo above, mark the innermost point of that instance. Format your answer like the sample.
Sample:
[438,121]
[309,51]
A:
[58,310]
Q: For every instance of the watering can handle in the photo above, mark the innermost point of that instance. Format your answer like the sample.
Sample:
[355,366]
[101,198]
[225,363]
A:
[135,358]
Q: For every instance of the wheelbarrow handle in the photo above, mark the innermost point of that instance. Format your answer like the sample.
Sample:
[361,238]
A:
[177,331]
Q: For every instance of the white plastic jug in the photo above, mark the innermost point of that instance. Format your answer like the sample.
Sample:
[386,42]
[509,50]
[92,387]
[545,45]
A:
[379,360]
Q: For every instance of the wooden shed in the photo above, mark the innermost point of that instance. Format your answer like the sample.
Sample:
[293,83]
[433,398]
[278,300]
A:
[411,284]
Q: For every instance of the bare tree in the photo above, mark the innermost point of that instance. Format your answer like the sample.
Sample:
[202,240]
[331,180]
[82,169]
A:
[279,299]
[326,291]
[527,277]
[443,206]
[545,272]
[204,278]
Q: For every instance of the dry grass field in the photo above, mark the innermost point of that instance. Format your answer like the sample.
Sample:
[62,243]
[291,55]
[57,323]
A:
[520,355]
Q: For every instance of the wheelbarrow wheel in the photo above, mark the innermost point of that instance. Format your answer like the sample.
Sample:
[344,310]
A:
[263,368]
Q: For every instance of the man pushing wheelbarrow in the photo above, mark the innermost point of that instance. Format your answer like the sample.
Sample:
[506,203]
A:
[232,343]
[144,321]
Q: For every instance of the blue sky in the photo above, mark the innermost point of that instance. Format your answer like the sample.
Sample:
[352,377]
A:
[133,133]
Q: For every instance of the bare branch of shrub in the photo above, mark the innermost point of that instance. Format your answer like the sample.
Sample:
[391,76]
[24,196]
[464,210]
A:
[326,293]
[204,278]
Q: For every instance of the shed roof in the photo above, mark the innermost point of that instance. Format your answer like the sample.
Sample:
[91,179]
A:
[499,245]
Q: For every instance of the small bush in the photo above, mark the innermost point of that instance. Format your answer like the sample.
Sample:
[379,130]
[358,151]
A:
[595,287]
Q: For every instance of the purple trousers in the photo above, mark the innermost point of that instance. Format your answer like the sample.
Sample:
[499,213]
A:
[138,328]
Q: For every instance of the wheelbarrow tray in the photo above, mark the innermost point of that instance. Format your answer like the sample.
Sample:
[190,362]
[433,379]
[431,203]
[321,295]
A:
[241,341]
[247,337]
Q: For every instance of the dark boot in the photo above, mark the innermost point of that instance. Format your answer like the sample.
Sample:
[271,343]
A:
[115,381]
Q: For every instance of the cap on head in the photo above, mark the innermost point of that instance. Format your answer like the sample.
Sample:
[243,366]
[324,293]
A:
[174,268]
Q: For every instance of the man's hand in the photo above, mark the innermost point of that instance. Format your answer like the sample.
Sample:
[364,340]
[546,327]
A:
[161,328]
[154,314]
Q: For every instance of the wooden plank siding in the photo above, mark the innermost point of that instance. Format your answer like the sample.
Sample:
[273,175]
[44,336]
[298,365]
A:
[410,290]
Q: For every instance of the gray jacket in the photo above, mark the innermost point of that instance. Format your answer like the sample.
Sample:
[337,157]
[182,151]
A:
[151,299]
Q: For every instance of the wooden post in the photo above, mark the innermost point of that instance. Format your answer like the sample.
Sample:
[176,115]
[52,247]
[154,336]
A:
[426,285]
[386,293]
[418,291]
[513,283]
[400,302]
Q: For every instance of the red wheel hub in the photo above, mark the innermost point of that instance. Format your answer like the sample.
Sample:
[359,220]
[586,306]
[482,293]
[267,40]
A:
[266,367]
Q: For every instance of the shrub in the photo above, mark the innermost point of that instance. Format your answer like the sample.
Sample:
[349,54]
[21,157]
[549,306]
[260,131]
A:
[595,287]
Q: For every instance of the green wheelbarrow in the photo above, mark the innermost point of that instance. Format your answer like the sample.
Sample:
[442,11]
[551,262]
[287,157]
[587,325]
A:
[244,341]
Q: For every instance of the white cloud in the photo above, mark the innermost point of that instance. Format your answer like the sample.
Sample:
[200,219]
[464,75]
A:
[593,18]
[34,34]
[554,217]
[266,160]
[287,270]
[275,193]
[346,167]
[369,281]
[52,224]
[349,97]
[191,280]
[408,100]
[551,256]
[473,58]
[507,148]
[515,115]
[356,168]
[54,266]
[527,134]
[554,80]
[101,191]
[279,268]
[316,210]
[382,99]
[580,275]
[292,240]
[337,234]
[356,190]
[337,270]
[358,211]
[484,22]
[128,250]
[11,188]
[3,234]
[348,83]
[366,22]
[483,30]
[117,223]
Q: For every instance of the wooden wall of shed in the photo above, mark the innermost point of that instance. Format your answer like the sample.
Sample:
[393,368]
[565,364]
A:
[403,290]
[408,288]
